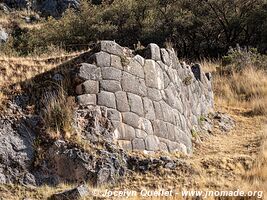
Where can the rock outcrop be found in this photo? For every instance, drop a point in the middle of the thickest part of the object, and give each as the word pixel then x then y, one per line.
pixel 153 101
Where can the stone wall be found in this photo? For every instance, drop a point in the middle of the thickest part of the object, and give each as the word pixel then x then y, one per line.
pixel 153 101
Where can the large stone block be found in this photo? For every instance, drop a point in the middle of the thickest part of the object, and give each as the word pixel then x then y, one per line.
pixel 135 68
pixel 106 99
pixel 110 85
pixel 154 94
pixel 126 132
pixel 133 84
pixel 153 52
pixel 114 115
pixel 89 72
pixel 101 59
pixel 158 110
pixel 131 119
pixel 116 62
pixel 140 59
pixel 175 64
pixel 145 125
pixel 160 128
pixel 122 101
pixel 138 144
pixel 153 75
pixel 110 47
pixel 111 73
pixel 149 109
pixel 165 56
pixel 88 87
pixel 136 104
pixel 126 145
pixel 86 99
pixel 152 143
pixel 140 133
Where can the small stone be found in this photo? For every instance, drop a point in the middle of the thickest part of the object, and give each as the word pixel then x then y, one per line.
pixel 73 194
pixel 106 99
pixel 86 99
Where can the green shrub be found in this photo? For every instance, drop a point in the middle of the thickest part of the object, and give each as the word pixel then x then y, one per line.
pixel 238 59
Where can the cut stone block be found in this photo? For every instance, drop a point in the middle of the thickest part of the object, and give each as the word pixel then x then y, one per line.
pixel 138 144
pixel 101 59
pixel 165 57
pixel 131 119
pixel 140 133
pixel 111 73
pixel 116 62
pixel 126 145
pixel 136 104
pixel 88 87
pixel 89 72
pixel 149 109
pixel 110 47
pixel 152 51
pixel 110 85
pixel 153 75
pixel 152 143
pixel 86 99
pixel 114 115
pixel 146 126
pixel 126 132
pixel 122 101
pixel 154 94
pixel 106 99
pixel 133 84
pixel 140 59
pixel 158 110
pixel 135 68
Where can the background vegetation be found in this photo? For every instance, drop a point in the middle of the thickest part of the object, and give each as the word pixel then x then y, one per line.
pixel 195 28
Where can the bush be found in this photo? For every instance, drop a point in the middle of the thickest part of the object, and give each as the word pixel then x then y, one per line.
pixel 238 59
pixel 58 115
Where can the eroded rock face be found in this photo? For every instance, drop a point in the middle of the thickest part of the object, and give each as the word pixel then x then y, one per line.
pixel 155 95
pixel 16 152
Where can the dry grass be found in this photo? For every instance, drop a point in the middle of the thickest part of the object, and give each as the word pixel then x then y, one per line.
pixel 247 89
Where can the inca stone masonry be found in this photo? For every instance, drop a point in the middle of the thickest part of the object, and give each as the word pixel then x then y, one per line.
pixel 153 101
